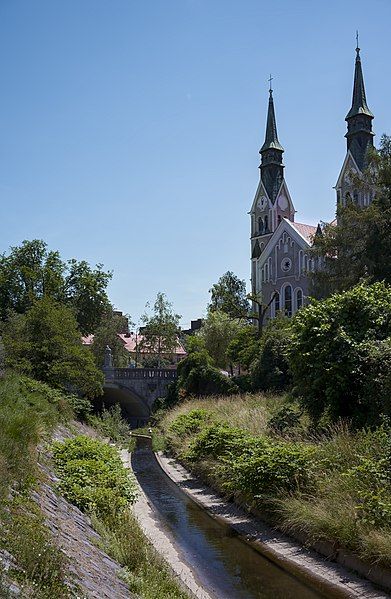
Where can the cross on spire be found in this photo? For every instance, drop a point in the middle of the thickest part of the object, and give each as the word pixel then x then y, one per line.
pixel 357 47
pixel 270 83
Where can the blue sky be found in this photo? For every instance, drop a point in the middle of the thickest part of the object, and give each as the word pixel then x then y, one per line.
pixel 130 130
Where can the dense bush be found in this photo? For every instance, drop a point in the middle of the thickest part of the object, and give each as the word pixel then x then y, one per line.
pixel 196 376
pixel 272 468
pixel 92 476
pixel 270 371
pixel 190 422
pixel 341 354
pixel 285 419
pixel 215 441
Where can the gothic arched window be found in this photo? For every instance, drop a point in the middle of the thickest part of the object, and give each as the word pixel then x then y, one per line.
pixel 355 197
pixel 288 300
pixel 260 225
pixel 276 302
pixel 299 299
pixel 266 224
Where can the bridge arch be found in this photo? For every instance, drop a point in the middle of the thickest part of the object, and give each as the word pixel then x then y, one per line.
pixel 135 390
pixel 134 408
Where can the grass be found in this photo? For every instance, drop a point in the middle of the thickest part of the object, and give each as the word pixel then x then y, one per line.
pixel 250 412
pixel 28 412
pixel 41 566
pixel 93 478
pixel 333 485
pixel 144 570
pixel 109 423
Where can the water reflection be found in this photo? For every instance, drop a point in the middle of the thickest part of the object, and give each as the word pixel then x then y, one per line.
pixel 225 566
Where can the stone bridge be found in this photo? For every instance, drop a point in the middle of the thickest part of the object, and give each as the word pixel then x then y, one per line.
pixel 136 389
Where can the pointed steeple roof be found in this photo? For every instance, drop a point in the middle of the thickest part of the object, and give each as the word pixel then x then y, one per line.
pixel 359 101
pixel 271 139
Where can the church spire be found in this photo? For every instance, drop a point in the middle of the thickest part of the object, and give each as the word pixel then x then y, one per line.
pixel 359 100
pixel 271 167
pixel 271 139
pixel 359 118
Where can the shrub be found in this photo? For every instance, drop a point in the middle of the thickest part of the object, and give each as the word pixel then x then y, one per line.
pixel 188 423
pixel 272 469
pixel 244 382
pixel 341 354
pixel 111 424
pixel 287 418
pixel 215 441
pixel 81 406
pixel 93 477
pixel 270 371
pixel 196 376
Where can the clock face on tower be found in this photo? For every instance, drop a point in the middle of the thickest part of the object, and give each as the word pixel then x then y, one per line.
pixel 283 202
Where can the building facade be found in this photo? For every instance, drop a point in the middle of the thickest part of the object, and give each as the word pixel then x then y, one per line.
pixel 280 257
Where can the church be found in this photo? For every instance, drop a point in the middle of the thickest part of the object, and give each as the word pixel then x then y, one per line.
pixel 280 258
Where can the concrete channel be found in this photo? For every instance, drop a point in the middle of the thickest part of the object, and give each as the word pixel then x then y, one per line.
pixel 218 551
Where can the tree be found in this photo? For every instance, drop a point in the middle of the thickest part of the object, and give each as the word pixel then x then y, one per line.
pixel 340 354
pixel 45 343
pixel 229 295
pixel 358 247
pixel 85 291
pixel 262 307
pixel 107 333
pixel 217 331
pixel 270 370
pixel 244 347
pixel 160 330
pixel 32 272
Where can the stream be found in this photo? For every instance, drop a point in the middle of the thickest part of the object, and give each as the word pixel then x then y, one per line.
pixel 225 566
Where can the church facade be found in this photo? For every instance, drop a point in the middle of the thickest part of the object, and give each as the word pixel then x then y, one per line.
pixel 280 257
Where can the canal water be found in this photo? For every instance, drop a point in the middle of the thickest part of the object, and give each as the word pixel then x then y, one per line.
pixel 225 566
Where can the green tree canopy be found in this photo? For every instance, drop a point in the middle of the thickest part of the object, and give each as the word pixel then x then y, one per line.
pixel 340 354
pixel 45 343
pixel 229 295
pixel 217 331
pixel 31 271
pixel 244 347
pixel 107 333
pixel 160 329
pixel 197 376
pixel 358 247
pixel 270 370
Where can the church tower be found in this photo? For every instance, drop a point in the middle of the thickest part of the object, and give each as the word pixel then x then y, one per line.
pixel 280 257
pixel 272 200
pixel 359 139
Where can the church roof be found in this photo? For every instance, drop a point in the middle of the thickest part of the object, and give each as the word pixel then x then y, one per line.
pixel 306 231
pixel 271 138
pixel 359 100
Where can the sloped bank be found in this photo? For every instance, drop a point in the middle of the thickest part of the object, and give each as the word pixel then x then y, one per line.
pixel 94 478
